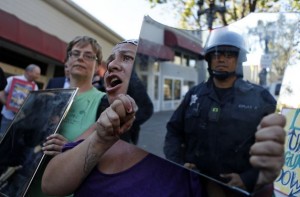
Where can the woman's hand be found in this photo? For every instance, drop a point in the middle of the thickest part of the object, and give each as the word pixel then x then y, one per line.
pixel 54 144
pixel 267 153
pixel 116 119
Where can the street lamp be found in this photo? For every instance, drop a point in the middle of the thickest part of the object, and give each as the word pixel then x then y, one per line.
pixel 266 33
pixel 211 12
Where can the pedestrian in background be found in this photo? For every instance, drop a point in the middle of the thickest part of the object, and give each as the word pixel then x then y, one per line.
pixel 83 56
pixel 27 81
pixel 60 82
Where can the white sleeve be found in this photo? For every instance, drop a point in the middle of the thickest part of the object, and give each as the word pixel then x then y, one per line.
pixel 9 81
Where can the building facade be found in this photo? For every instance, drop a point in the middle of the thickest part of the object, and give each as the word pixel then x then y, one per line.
pixel 169 62
pixel 37 31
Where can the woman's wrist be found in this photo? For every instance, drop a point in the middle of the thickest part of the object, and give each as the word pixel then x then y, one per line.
pixel 102 136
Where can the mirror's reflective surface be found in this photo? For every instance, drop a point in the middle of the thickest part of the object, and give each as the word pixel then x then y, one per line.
pixel 211 14
pixel 289 106
pixel 171 61
pixel 21 147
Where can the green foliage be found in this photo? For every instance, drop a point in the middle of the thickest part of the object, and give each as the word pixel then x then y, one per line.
pixel 277 38
pixel 235 10
pixel 285 44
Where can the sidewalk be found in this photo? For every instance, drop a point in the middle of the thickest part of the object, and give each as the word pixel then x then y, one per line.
pixel 153 133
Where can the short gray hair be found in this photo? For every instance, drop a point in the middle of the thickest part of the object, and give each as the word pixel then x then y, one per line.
pixel 85 40
pixel 31 67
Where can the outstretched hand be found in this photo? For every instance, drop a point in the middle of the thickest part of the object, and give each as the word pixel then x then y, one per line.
pixel 267 153
pixel 117 118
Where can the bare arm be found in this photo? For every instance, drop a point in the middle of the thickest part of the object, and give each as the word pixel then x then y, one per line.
pixel 2 97
pixel 66 171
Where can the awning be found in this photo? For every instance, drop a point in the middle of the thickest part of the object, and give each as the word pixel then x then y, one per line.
pixel 176 40
pixel 28 36
pixel 155 50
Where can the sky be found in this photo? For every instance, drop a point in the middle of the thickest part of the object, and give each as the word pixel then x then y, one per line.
pixel 124 17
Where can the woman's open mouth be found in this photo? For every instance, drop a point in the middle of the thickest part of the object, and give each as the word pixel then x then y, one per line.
pixel 113 83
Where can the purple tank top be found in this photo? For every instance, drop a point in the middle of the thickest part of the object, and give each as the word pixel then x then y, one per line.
pixel 151 177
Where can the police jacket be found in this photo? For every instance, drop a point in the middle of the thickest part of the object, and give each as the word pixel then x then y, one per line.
pixel 215 134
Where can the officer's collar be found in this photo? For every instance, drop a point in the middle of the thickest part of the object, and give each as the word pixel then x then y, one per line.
pixel 239 85
pixel 242 85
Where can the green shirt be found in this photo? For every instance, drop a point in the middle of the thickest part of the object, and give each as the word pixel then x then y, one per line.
pixel 81 115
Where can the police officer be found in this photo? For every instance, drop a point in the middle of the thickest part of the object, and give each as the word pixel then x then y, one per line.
pixel 214 126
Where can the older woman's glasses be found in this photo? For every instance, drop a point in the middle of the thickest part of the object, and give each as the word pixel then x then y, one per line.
pixel 85 56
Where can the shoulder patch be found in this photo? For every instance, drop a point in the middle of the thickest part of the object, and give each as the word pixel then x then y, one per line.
pixel 194 99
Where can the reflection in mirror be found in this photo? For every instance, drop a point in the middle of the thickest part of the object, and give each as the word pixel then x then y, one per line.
pixel 21 147
pixel 171 61
pixel 289 105
pixel 211 14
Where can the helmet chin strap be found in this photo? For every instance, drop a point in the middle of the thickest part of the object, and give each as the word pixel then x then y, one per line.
pixel 221 75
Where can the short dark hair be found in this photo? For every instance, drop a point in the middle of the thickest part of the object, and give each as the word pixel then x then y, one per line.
pixel 85 40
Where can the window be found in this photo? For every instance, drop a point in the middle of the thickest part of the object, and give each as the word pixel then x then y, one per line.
pixel 156 88
pixel 192 62
pixel 177 89
pixel 172 89
pixel 186 86
pixel 185 59
pixel 156 67
pixel 177 59
pixel 142 62
pixel 189 84
pixel 144 80
pixel 168 89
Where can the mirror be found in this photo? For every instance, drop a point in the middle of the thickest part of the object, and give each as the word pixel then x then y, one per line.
pixel 170 61
pixel 289 105
pixel 195 15
pixel 20 148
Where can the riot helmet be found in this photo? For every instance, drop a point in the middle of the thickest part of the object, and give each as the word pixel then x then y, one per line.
pixel 226 41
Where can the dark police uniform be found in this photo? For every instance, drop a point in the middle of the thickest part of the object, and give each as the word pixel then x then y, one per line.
pixel 214 129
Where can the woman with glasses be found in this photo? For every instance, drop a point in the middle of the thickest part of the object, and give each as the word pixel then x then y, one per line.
pixel 84 54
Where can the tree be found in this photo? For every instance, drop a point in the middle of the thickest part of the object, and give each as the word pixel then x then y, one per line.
pixel 222 12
